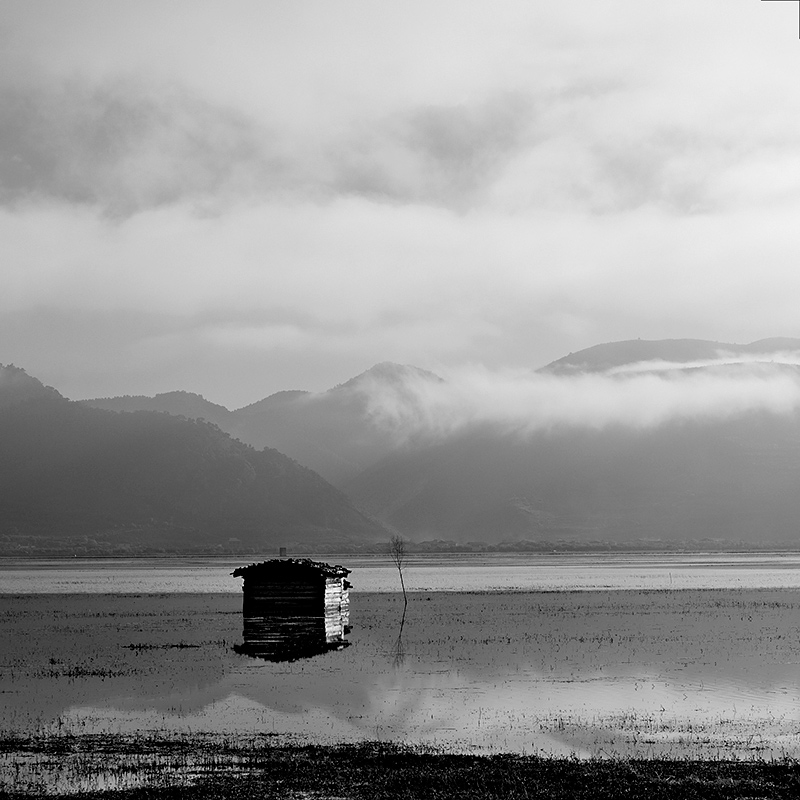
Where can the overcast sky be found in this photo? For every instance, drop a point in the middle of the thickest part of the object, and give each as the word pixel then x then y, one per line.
pixel 235 198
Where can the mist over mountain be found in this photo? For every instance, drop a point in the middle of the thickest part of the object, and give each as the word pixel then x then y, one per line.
pixel 648 355
pixel 674 440
pixel 735 480
pixel 337 433
pixel 696 441
pixel 80 479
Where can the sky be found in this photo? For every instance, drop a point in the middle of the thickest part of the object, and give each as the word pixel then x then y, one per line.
pixel 236 198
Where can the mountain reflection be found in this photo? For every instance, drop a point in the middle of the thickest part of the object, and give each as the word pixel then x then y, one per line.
pixel 565 672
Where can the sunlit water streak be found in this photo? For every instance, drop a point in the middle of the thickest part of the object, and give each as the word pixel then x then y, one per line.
pixel 423 573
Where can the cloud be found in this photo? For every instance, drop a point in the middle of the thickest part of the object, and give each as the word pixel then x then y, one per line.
pixel 536 108
pixel 352 282
pixel 124 146
pixel 791 357
pixel 127 145
pixel 524 402
pixel 446 155
pixel 341 184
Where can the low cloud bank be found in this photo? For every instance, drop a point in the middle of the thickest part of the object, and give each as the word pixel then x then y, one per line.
pixel 525 402
pixel 787 357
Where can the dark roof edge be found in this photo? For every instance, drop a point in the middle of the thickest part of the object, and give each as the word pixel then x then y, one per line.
pixel 292 564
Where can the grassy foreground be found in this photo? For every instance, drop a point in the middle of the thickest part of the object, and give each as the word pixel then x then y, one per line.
pixel 377 770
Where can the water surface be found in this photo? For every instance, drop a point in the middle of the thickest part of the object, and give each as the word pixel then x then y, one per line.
pixel 434 573
pixel 681 672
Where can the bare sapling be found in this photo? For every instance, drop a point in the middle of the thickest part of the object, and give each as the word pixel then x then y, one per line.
pixel 397 550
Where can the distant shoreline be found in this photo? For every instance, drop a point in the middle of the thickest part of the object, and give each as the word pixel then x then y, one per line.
pixel 435 547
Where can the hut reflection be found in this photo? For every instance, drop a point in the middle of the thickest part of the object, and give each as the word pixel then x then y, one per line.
pixel 293 608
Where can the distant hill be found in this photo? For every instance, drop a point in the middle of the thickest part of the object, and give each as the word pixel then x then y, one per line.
pixel 336 433
pixel 602 357
pixel 178 403
pixel 79 479
pixel 17 386
pixel 388 375
pixel 730 476
pixel 734 480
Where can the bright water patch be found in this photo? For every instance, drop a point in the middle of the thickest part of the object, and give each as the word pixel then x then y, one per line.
pixel 480 572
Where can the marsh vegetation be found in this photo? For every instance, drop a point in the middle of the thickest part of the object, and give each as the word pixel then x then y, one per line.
pixel 381 771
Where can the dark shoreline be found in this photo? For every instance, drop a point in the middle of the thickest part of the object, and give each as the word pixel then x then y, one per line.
pixel 379 771
pixel 67 549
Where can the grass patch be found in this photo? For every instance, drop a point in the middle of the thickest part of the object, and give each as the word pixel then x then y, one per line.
pixel 377 770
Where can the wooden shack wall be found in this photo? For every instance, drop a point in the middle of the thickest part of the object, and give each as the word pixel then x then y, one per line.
pixel 284 597
pixel 276 611
pixel 337 607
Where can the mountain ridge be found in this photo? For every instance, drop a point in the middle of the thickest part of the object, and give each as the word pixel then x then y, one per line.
pixel 605 356
pixel 79 479
pixel 16 386
pixel 332 432
pixel 727 475
pixel 176 402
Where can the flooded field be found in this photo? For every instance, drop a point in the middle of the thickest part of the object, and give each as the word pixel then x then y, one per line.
pixel 668 673
pixel 678 673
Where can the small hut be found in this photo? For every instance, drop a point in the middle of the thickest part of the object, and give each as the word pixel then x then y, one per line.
pixel 294 608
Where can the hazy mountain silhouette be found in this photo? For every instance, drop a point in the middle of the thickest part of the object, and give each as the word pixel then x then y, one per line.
pixel 74 475
pixel 607 356
pixel 733 475
pixel 335 433
pixel 178 403
pixel 17 386
pixel 733 480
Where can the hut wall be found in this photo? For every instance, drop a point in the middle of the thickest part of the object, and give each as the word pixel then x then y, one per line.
pixel 337 608
pixel 294 608
pixel 277 612
pixel 284 597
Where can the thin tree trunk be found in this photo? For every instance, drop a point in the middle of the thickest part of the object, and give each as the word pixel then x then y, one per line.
pixel 403 586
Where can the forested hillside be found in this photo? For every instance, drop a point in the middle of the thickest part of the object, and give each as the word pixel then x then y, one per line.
pixel 78 478
pixel 335 432
pixel 736 481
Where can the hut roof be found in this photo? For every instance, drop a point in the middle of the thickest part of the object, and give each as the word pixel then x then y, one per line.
pixel 295 566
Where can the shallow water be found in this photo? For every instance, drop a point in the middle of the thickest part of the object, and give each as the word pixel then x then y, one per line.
pixel 701 673
pixel 434 573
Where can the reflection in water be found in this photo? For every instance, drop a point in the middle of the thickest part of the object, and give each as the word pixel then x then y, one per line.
pixel 292 648
pixel 685 673
pixel 399 651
